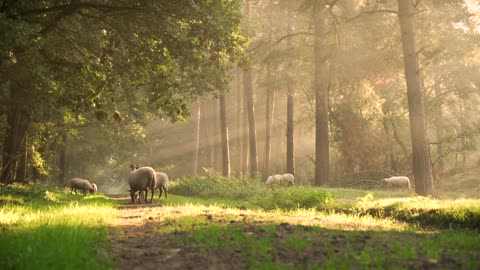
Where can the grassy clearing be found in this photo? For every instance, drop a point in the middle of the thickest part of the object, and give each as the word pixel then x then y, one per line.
pixel 48 228
pixel 346 229
pixel 310 239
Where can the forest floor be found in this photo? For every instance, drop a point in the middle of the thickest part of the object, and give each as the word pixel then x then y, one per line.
pixel 155 236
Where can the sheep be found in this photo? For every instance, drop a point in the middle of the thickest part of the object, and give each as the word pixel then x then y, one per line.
pixel 140 180
pixel 82 184
pixel 161 183
pixel 397 181
pixel 279 179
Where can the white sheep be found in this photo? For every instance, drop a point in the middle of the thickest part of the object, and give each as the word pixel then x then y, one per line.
pixel 279 179
pixel 141 180
pixel 82 184
pixel 397 181
pixel 161 183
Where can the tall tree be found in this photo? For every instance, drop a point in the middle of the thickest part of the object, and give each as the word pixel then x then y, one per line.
pixel 252 132
pixel 197 135
pixel 224 132
pixel 321 85
pixel 270 103
pixel 422 170
pixel 290 105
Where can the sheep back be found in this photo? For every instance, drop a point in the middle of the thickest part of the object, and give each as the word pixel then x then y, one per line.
pixel 82 184
pixel 162 183
pixel 279 179
pixel 398 181
pixel 141 179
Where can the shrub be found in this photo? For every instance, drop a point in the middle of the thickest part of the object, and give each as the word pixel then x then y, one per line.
pixel 251 190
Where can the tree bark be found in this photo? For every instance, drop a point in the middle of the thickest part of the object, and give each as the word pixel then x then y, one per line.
pixel 17 120
pixel 61 160
pixel 252 135
pixel 240 133
pixel 290 107
pixel 224 131
pixel 321 84
pixel 270 108
pixel 197 136
pixel 420 153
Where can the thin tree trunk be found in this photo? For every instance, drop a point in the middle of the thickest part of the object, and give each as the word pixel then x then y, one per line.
pixel 22 168
pixel 420 153
pixel 440 166
pixel 245 132
pixel 321 85
pixel 269 106
pixel 224 131
pixel 61 159
pixel 269 111
pixel 239 122
pixel 197 136
pixel 290 108
pixel 251 122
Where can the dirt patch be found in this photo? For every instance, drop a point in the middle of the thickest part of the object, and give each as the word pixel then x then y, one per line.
pixel 136 245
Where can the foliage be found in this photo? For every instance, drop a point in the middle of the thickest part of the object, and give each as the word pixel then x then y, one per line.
pixel 253 191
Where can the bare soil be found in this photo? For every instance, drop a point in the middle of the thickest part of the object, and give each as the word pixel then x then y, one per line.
pixel 136 245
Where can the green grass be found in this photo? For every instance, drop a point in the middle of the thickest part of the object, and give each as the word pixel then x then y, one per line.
pixel 300 240
pixel 47 228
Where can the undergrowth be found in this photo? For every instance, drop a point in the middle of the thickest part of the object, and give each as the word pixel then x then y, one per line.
pixel 252 191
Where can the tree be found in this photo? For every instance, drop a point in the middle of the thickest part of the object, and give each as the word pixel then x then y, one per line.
pixel 290 107
pixel 64 60
pixel 321 85
pixel 197 135
pixel 420 152
pixel 250 107
pixel 224 132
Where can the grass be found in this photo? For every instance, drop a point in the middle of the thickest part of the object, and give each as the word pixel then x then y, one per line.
pixel 242 222
pixel 48 228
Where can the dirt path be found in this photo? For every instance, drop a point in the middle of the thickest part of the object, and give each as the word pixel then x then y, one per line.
pixel 137 245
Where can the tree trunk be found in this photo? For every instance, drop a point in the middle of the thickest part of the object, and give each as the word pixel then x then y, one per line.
pixel 438 120
pixel 240 133
pixel 321 85
pixel 269 111
pixel 224 131
pixel 61 160
pixel 246 132
pixel 22 167
pixel 420 153
pixel 197 136
pixel 290 108
pixel 17 120
pixel 252 135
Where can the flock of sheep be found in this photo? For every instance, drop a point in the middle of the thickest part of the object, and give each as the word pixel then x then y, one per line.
pixel 142 179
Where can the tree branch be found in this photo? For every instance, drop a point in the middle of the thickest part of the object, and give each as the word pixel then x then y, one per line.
pixel 73 7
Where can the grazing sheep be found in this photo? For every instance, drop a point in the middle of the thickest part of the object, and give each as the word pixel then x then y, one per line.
pixel 278 179
pixel 141 180
pixel 83 185
pixel 397 181
pixel 161 183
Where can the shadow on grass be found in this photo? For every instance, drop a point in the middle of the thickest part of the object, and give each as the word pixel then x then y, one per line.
pixel 211 242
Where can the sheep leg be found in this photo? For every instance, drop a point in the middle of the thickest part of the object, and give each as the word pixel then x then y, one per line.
pixel 132 196
pixel 165 190
pixel 159 191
